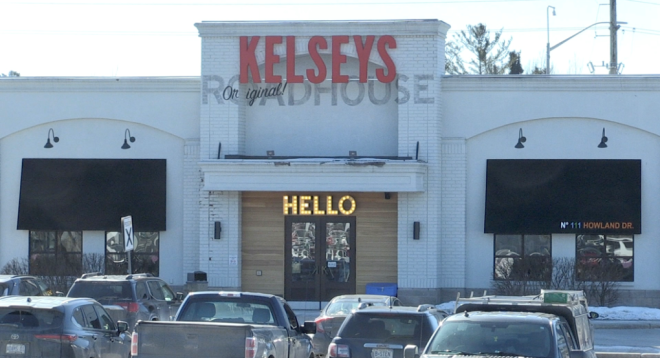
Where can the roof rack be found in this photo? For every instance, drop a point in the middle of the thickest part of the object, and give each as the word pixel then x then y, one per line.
pixel 131 276
pixel 91 274
pixel 546 297
pixel 425 307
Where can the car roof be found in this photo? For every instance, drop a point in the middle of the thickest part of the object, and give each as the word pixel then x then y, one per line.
pixel 95 276
pixel 393 309
pixel 504 316
pixel 40 301
pixel 9 277
pixel 230 294
pixel 362 297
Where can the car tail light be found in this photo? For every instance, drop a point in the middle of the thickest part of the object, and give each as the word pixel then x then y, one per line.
pixel 129 306
pixel 64 338
pixel 319 324
pixel 250 347
pixel 338 351
pixel 134 344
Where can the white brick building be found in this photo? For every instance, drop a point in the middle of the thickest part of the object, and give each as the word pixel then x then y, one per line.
pixel 245 180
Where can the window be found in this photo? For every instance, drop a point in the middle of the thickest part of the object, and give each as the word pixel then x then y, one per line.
pixel 523 257
pixel 56 253
pixel 160 291
pixel 605 257
pixel 144 257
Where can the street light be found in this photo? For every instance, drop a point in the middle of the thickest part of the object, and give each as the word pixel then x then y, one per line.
pixel 577 33
pixel 547 59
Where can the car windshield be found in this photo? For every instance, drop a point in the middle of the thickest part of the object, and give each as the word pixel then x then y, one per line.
pixel 383 326
pixel 494 338
pixel 12 318
pixel 104 292
pixel 217 309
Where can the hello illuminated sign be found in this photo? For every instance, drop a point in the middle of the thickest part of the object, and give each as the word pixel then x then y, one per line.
pixel 311 205
pixel 363 48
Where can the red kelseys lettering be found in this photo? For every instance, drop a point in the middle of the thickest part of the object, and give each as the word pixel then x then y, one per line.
pixel 363 47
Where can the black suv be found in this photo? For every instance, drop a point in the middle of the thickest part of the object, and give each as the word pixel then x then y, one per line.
pixel 38 326
pixel 143 296
pixel 383 332
pixel 23 285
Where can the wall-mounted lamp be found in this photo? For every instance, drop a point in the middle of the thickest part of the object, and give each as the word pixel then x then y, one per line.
pixel 388 195
pixel 416 228
pixel 127 136
pixel 55 139
pixel 521 139
pixel 270 153
pixel 603 140
pixel 217 230
pixel 352 153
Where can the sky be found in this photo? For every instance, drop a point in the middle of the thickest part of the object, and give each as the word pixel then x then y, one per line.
pixel 120 38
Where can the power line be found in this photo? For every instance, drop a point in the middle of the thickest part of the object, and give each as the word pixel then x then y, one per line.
pixel 437 2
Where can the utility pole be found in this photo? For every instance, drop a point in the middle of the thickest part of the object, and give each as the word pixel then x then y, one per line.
pixel 614 63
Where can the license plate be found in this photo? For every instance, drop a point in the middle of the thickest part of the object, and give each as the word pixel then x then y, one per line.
pixel 15 349
pixel 381 353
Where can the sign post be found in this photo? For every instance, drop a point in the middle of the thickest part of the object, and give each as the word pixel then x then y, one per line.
pixel 129 238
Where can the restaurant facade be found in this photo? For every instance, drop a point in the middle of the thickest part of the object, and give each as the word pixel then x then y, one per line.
pixel 311 159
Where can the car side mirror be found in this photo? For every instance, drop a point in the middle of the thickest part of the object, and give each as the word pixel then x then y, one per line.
pixel 180 296
pixel 309 327
pixel 122 326
pixel 410 351
pixel 593 315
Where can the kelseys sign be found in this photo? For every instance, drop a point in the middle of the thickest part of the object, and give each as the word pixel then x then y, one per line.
pixel 249 67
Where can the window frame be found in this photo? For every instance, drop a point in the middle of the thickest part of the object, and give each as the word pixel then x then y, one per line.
pixel 600 244
pixel 56 250
pixel 145 258
pixel 522 257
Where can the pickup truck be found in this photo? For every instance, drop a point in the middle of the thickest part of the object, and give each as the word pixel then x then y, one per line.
pixel 554 324
pixel 227 325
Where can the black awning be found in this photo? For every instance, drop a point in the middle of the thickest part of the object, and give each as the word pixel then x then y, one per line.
pixel 92 194
pixel 546 196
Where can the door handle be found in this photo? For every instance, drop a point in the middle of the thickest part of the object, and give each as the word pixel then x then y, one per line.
pixel 95 336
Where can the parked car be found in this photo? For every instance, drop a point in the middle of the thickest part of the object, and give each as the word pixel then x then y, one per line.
pixel 551 325
pixel 383 332
pixel 214 324
pixel 334 313
pixel 143 296
pixel 24 285
pixel 58 327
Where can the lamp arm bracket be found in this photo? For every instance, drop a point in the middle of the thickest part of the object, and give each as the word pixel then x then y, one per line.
pixel 581 31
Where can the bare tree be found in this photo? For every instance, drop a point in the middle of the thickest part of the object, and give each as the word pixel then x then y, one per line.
pixel 488 53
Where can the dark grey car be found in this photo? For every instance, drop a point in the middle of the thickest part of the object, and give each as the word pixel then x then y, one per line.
pixel 384 332
pixel 143 296
pixel 58 327
pixel 335 312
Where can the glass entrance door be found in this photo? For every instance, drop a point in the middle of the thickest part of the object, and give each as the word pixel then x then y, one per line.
pixel 320 257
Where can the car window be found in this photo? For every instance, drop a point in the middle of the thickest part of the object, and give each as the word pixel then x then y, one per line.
pixel 91 317
pixel 104 292
pixel 30 318
pixel 28 287
pixel 525 339
pixel 383 326
pixel 291 316
pixel 78 318
pixel 4 289
pixel 160 290
pixel 104 318
pixel 141 291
